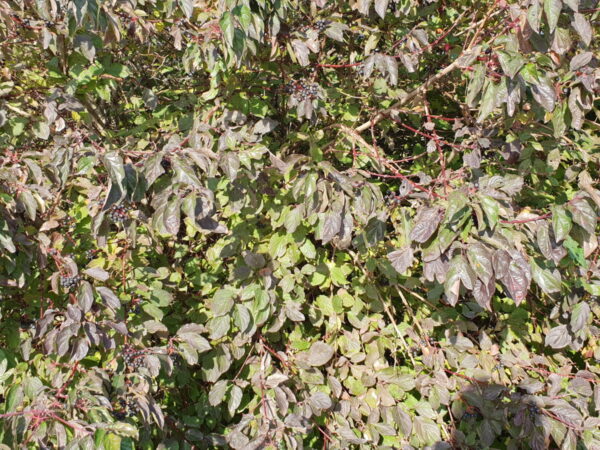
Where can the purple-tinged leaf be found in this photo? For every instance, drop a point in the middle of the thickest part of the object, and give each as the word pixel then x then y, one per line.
pixel 480 259
pixel 264 126
pixel 368 66
pixel 320 400
pixel 97 273
pixel 111 300
pixel 483 293
pixel 172 216
pixel 579 316
pixel 153 168
pixel 580 60
pixel 517 278
pixel 583 28
pixel 426 224
pixel 459 272
pixel 568 414
pixel 335 31
pixel 119 327
pixel 229 162
pixel 301 51
pixel 401 259
pixel 584 214
pixel 319 354
pixel 80 349
pixel 558 337
pixel 381 7
pixel 426 431
pixel 85 296
pixel 331 224
pixel 391 69
pixel 544 93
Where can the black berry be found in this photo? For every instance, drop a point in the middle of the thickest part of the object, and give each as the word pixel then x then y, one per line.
pixel 321 25
pixel 69 283
pixel 119 213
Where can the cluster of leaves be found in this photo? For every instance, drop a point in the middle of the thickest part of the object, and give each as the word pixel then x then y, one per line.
pixel 244 224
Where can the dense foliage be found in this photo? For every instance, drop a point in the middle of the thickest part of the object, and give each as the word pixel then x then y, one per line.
pixel 299 224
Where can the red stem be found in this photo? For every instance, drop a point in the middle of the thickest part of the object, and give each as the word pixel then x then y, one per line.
pixel 59 393
pixel 428 136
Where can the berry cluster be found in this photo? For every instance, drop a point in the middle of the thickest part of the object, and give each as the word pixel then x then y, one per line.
pixel 392 199
pixel 70 282
pixel 174 354
pixel 125 408
pixel 533 409
pixel 176 359
pixel 89 254
pixel 24 22
pixel 119 213
pixel 67 222
pixel 132 358
pixel 302 89
pixel 321 25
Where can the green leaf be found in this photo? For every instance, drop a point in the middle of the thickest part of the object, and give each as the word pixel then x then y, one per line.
pixel 198 342
pixel 488 102
pixel 480 260
pixel 219 326
pixel 226 24
pixel 552 10
pixel 41 130
pixel 548 281
pixel 426 431
pixel 217 392
pixel 29 203
pixel 475 84
pixel 114 166
pixel 511 62
pixel 117 70
pixel 561 223
pixel 187 6
pixel 491 208
pixel 222 302
pixel 244 15
pixel 575 252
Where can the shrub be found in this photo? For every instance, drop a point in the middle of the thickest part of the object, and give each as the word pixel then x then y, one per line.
pixel 289 224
